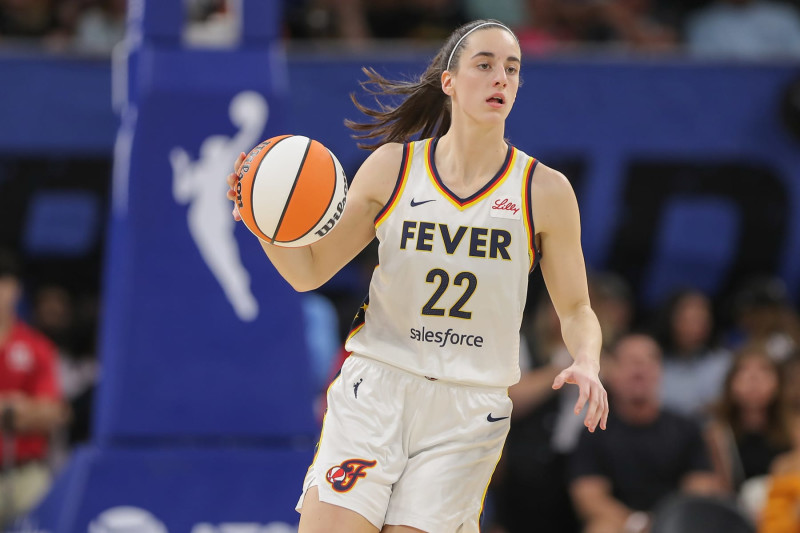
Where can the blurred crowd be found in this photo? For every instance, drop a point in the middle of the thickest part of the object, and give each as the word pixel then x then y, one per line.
pixel 704 395
pixel 91 26
pixel 705 404
pixel 744 28
pixel 707 28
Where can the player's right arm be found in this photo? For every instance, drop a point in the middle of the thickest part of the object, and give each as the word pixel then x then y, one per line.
pixel 308 267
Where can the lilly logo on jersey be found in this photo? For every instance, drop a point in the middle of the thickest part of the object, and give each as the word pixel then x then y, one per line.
pixel 343 477
pixel 505 207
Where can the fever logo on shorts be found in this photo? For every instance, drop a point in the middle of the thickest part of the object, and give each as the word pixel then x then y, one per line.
pixel 344 476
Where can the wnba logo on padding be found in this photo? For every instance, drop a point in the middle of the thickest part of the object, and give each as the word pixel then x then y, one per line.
pixel 344 476
pixel 125 519
pixel 198 184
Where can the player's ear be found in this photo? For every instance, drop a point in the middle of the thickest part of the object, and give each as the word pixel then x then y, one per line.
pixel 447 83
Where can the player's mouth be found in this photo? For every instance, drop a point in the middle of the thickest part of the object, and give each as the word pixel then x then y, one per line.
pixel 496 100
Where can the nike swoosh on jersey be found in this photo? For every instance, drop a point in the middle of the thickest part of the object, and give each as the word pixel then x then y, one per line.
pixel 490 418
pixel 415 204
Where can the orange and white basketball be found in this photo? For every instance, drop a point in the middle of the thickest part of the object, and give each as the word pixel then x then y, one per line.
pixel 291 191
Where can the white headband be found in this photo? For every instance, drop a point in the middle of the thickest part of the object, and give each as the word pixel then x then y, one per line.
pixel 479 26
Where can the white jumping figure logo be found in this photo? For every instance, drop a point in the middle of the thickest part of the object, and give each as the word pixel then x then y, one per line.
pixel 200 184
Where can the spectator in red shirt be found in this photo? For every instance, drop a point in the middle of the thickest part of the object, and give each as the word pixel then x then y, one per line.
pixel 30 401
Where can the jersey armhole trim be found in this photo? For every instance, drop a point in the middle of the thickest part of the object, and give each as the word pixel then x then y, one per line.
pixel 402 176
pixel 534 254
pixel 359 320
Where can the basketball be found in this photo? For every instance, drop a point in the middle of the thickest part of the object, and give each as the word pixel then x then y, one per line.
pixel 291 191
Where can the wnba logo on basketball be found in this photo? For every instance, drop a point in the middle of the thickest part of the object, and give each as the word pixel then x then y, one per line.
pixel 344 476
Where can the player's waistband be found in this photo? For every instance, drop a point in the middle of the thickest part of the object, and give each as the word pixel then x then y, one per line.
pixel 430 379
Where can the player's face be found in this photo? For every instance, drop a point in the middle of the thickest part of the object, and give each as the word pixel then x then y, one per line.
pixel 485 82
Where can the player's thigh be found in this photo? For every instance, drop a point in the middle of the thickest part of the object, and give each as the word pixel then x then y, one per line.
pixel 459 440
pixel 321 517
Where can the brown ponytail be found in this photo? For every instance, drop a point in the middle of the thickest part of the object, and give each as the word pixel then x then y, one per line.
pixel 425 109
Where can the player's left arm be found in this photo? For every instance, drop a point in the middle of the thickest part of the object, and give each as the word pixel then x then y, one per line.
pixel 557 223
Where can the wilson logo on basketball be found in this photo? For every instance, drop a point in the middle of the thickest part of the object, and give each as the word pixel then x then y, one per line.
pixel 343 477
pixel 335 218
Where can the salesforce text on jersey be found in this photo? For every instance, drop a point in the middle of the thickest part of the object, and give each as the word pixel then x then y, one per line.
pixel 443 337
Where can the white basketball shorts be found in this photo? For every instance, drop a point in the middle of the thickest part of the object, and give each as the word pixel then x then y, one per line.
pixel 401 449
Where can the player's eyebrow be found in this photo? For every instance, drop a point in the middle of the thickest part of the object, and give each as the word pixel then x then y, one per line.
pixel 491 55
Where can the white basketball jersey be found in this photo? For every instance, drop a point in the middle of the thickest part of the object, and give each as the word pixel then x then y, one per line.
pixel 447 296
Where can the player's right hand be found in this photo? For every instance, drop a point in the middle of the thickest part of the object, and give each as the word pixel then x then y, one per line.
pixel 231 180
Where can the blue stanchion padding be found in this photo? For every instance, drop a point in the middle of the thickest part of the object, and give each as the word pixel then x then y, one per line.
pixel 174 491
pixel 201 338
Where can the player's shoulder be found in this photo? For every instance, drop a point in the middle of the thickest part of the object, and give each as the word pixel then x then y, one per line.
pixel 383 163
pixel 377 176
pixel 387 154
pixel 549 179
pixel 550 187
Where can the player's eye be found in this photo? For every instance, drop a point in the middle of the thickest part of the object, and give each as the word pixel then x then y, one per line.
pixel 483 66
pixel 512 70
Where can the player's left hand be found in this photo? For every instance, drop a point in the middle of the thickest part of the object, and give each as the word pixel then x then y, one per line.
pixel 584 374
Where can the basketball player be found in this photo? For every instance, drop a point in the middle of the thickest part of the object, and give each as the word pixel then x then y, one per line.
pixel 417 418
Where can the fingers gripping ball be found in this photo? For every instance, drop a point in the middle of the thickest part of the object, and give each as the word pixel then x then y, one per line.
pixel 291 191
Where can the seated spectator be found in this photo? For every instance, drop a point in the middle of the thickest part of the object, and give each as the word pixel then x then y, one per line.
pixel 101 26
pixel 781 512
pixel 513 13
pixel 547 31
pixel 25 19
pixel 746 29
pixel 618 476
pixel 790 387
pixel 747 431
pixel 631 23
pixel 356 21
pixel 30 405
pixel 777 504
pixel 54 316
pixel 764 315
pixel 533 466
pixel 694 366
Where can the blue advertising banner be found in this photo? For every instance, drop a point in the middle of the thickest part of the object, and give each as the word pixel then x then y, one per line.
pixel 198 327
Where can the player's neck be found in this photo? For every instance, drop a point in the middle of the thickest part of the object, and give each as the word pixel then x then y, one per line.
pixel 469 157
